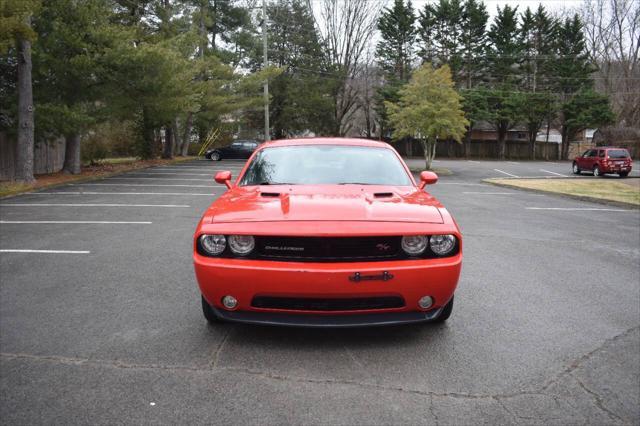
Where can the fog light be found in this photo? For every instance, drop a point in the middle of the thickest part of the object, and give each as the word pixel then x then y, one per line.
pixel 424 302
pixel 229 302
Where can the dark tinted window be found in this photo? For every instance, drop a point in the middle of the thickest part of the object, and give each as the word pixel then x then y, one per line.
pixel 326 164
pixel 618 153
pixel 592 153
pixel 250 145
pixel 236 145
pixel 601 153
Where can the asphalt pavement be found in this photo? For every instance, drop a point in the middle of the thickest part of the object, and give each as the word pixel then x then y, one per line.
pixel 100 318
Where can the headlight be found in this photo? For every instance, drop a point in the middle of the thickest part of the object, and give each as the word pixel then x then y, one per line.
pixel 442 244
pixel 414 245
pixel 241 245
pixel 213 245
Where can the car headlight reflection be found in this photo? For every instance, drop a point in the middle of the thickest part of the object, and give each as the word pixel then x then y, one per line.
pixel 241 245
pixel 213 245
pixel 442 245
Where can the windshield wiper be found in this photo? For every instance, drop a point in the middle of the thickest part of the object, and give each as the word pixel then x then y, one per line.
pixel 276 183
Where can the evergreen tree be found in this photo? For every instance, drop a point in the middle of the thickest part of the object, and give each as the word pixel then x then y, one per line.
pixel 505 49
pixel 473 40
pixel 441 31
pixel 397 32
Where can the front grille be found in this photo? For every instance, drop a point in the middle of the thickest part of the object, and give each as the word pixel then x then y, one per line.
pixel 324 304
pixel 329 249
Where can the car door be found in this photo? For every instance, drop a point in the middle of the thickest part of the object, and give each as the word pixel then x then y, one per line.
pixel 588 159
pixel 234 150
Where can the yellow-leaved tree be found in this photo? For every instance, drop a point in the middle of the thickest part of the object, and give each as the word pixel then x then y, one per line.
pixel 429 110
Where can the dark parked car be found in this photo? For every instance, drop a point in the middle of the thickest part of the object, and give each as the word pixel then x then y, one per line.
pixel 238 149
pixel 603 160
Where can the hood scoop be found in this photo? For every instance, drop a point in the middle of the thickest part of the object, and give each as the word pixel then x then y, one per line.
pixel 383 194
pixel 270 194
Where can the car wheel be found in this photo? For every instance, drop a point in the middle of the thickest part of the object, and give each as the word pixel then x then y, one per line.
pixel 623 174
pixel 596 171
pixel 215 156
pixel 576 169
pixel 446 312
pixel 211 317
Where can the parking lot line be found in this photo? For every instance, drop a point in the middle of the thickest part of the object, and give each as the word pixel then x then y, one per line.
pixel 91 205
pixel 553 173
pixel 118 193
pixel 169 173
pixel 45 251
pixel 508 174
pixel 71 222
pixel 586 209
pixel 141 184
pixel 490 193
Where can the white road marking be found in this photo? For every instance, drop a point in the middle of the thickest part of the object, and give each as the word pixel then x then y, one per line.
pixel 159 178
pixel 513 162
pixel 586 209
pixel 45 251
pixel 508 174
pixel 116 193
pixel 92 205
pixel 472 161
pixel 463 183
pixel 140 184
pixel 170 173
pixel 69 222
pixel 553 173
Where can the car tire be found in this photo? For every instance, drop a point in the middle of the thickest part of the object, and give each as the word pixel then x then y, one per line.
pixel 446 312
pixel 215 156
pixel 596 171
pixel 576 169
pixel 211 317
pixel 623 174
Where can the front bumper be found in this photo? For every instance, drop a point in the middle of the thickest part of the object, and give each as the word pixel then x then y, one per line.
pixel 245 279
pixel 326 321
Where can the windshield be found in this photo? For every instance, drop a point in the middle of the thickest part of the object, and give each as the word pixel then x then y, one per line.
pixel 618 153
pixel 326 164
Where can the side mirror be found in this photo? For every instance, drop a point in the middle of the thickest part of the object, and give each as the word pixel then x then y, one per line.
pixel 224 178
pixel 427 178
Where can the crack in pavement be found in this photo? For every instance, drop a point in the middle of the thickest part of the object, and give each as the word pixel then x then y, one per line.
pixel 213 367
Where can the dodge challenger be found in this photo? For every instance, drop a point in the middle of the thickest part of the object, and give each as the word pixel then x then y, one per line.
pixel 327 233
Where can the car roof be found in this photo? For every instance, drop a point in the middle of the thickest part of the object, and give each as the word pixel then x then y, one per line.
pixel 326 141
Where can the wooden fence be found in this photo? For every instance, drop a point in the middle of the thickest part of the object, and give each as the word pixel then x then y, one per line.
pixel 48 157
pixel 514 150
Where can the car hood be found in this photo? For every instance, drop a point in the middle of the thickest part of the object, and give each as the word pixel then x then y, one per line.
pixel 325 203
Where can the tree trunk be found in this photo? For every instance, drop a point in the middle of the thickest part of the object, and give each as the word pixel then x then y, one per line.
pixel 24 150
pixel 147 148
pixel 532 145
pixel 467 142
pixel 167 152
pixel 429 147
pixel 502 135
pixel 72 154
pixel 564 146
pixel 186 138
pixel 177 148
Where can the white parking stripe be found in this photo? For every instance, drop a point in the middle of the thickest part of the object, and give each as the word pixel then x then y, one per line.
pixel 553 173
pixel 92 205
pixel 508 174
pixel 571 209
pixel 45 251
pixel 169 173
pixel 513 162
pixel 116 193
pixel 471 161
pixel 69 222
pixel 491 193
pixel 140 184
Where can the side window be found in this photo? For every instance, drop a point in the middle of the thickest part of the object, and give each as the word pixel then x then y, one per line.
pixel 236 145
pixel 592 153
pixel 601 153
pixel 586 153
pixel 249 145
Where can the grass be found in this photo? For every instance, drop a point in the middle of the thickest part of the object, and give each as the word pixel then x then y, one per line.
pixel 597 190
pixel 104 168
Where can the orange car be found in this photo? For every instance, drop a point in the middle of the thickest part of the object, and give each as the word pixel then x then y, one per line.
pixel 327 233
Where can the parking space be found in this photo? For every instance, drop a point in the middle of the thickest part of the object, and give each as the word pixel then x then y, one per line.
pixel 100 317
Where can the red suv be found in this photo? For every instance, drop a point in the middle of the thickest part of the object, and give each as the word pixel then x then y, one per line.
pixel 604 160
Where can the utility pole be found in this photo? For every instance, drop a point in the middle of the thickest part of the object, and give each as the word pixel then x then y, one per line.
pixel 267 135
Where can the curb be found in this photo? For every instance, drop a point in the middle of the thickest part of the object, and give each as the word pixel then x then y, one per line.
pixel 562 195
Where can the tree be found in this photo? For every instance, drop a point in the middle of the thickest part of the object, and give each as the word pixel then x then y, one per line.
pixel 429 110
pixel 397 33
pixel 440 30
pixel 504 49
pixel 572 71
pixel 346 28
pixel 395 55
pixel 473 38
pixel 586 109
pixel 16 28
pixel 505 110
